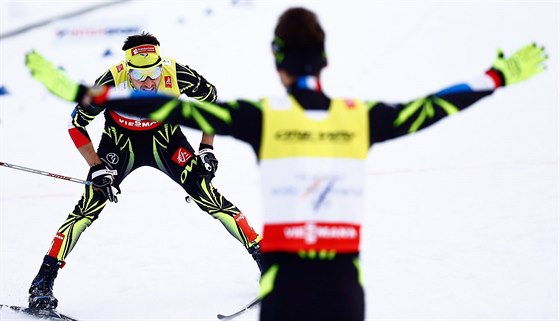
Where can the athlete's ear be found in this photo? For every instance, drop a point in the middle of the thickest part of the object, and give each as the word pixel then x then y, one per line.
pixel 286 78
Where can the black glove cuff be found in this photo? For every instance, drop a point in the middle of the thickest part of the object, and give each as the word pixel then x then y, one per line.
pixel 97 167
pixel 205 146
pixel 82 91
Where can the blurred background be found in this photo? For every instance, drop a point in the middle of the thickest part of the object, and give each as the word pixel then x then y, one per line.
pixel 462 220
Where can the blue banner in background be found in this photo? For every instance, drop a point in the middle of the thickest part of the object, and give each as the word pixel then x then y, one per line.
pixel 94 32
pixel 50 19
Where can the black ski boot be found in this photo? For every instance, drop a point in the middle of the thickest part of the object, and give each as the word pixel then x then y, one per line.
pixel 255 251
pixel 41 290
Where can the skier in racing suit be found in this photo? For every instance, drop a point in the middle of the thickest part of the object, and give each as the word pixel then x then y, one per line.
pixel 129 142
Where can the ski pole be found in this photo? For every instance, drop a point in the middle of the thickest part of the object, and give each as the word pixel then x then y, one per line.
pixel 36 171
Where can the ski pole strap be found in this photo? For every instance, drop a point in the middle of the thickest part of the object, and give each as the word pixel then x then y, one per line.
pixel 40 172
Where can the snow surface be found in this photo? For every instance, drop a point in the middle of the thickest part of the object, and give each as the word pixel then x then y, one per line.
pixel 463 218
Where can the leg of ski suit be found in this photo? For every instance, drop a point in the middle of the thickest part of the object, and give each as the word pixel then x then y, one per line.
pixel 311 287
pixel 166 149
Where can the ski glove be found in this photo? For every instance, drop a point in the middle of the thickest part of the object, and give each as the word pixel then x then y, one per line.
pixel 103 178
pixel 206 155
pixel 522 65
pixel 55 79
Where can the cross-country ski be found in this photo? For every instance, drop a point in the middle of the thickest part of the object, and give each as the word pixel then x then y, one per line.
pixel 51 315
pixel 254 303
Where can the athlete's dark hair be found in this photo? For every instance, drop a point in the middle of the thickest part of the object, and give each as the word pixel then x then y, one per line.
pixel 299 43
pixel 145 38
pixel 299 27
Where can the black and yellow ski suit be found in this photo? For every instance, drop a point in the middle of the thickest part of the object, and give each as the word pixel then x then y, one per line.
pixel 129 142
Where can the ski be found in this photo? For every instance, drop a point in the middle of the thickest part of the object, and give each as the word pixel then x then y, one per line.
pixel 255 302
pixel 52 315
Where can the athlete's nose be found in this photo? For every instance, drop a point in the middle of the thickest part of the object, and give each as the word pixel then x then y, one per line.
pixel 149 83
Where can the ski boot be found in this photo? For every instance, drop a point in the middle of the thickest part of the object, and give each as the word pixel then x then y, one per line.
pixel 255 251
pixel 41 290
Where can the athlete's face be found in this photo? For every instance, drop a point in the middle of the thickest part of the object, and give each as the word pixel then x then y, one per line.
pixel 145 79
pixel 148 84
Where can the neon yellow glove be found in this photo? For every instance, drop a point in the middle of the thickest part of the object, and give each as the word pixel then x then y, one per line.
pixel 56 80
pixel 522 65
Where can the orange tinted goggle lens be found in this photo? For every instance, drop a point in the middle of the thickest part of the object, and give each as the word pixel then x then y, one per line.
pixel 142 74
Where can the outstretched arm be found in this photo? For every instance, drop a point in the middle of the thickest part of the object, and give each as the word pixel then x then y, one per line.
pixel 389 121
pixel 56 81
pixel 211 118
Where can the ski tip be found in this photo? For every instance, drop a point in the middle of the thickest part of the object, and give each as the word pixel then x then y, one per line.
pixel 246 308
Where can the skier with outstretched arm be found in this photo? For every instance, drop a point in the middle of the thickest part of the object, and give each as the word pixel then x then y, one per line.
pixel 312 151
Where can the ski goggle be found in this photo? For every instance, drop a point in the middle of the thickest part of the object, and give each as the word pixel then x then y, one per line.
pixel 143 74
